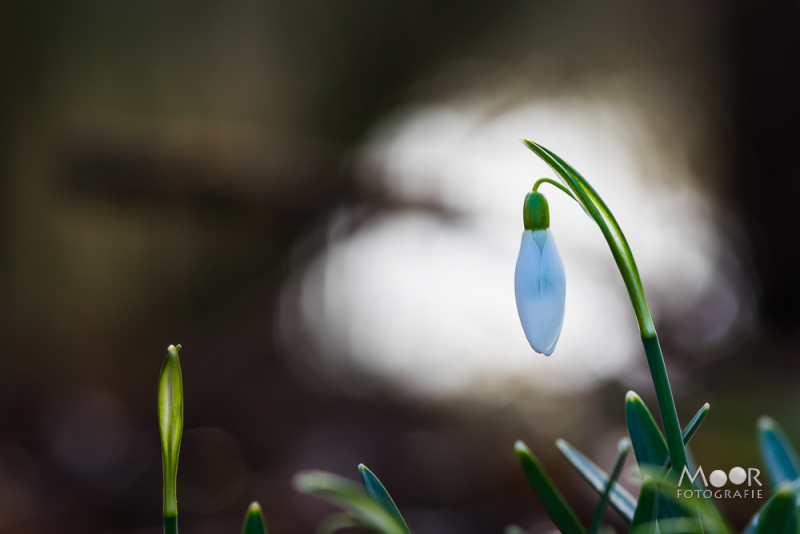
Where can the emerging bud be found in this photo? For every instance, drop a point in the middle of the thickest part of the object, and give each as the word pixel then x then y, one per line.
pixel 539 282
pixel 254 520
pixel 170 421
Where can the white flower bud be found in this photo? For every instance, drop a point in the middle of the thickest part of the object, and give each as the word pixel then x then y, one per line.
pixel 540 287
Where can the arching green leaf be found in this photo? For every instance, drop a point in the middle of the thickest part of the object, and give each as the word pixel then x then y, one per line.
pixel 592 204
pixel 621 500
pixel 600 511
pixel 350 496
pixel 378 493
pixel 780 457
pixel 557 508
pixel 335 522
pixel 779 515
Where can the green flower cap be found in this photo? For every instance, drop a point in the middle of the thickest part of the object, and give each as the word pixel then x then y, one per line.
pixel 536 212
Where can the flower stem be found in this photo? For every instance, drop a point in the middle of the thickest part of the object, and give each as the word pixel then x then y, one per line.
pixel 666 402
pixel 171 524
pixel 541 181
pixel 593 205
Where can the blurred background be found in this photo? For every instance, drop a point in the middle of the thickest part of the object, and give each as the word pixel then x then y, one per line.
pixel 321 201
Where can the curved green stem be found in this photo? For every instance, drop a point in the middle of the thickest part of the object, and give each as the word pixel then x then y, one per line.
pixel 592 204
pixel 550 181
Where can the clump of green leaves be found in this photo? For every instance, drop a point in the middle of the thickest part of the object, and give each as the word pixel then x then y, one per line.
pixel 661 458
pixel 655 510
pixel 368 507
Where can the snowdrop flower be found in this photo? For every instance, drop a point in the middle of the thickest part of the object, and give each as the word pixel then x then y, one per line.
pixel 539 282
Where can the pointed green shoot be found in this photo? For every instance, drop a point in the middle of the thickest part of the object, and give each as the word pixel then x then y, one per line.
pixel 514 529
pixel 780 457
pixel 621 500
pixel 557 508
pixel 690 430
pixel 649 447
pixel 350 496
pixel 623 448
pixel 646 508
pixel 254 520
pixel 779 515
pixel 170 421
pixel 335 522
pixel 378 493
pixel 794 487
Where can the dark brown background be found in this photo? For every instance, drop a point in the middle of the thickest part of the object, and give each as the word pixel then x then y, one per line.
pixel 160 162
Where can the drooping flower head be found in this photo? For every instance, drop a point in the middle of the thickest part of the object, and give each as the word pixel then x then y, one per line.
pixel 539 282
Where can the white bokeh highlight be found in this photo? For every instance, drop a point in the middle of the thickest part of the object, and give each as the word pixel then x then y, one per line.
pixel 428 302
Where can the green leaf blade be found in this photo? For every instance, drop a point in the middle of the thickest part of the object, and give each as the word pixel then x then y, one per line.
pixel 600 511
pixel 621 500
pixel 676 525
pixel 692 508
pixel 689 432
pixel 378 493
pixel 646 507
pixel 350 496
pixel 335 522
pixel 557 508
pixel 649 446
pixel 780 457
pixel 779 515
